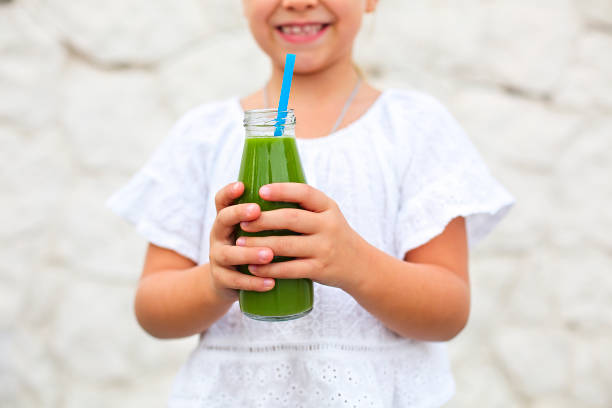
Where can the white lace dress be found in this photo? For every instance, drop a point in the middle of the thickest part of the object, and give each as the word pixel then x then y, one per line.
pixel 399 173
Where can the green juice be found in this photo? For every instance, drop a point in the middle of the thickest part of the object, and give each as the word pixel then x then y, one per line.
pixel 266 160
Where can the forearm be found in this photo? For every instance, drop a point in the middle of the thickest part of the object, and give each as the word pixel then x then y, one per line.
pixel 420 301
pixel 178 303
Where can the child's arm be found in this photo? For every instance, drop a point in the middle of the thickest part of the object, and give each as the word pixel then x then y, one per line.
pixel 176 298
pixel 426 296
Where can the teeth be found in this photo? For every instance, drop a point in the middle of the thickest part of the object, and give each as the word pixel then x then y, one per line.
pixel 302 29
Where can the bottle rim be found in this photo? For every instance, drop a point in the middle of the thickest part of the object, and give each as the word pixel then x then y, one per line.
pixel 267 117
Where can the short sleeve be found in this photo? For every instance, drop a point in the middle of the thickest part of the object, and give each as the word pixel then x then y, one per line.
pixel 166 198
pixel 445 178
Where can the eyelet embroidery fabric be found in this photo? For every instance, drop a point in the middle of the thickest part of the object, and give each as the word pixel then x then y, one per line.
pixel 321 375
pixel 399 174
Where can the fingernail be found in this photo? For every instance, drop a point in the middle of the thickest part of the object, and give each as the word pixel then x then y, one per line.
pixel 251 209
pixel 263 255
pixel 235 187
pixel 268 283
pixel 244 224
pixel 264 191
pixel 241 241
pixel 253 268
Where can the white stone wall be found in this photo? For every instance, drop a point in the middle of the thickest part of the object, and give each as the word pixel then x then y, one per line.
pixel 88 89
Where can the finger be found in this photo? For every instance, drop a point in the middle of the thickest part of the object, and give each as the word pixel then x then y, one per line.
pixel 229 255
pixel 309 198
pixel 295 269
pixel 228 217
pixel 237 280
pixel 300 221
pixel 297 246
pixel 228 194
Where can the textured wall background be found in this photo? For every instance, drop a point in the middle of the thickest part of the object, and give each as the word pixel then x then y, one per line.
pixel 89 88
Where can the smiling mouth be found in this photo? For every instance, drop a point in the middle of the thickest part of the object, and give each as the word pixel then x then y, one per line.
pixel 304 30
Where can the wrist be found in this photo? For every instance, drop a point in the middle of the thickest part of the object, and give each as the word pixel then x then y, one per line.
pixel 222 297
pixel 359 266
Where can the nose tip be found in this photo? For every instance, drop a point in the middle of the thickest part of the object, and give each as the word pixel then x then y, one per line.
pixel 299 5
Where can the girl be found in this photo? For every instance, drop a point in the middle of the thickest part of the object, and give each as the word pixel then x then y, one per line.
pixel 396 191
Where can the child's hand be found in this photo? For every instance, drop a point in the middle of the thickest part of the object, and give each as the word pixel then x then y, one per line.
pixel 223 253
pixel 327 248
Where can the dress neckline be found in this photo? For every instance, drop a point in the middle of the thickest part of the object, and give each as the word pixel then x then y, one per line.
pixel 340 132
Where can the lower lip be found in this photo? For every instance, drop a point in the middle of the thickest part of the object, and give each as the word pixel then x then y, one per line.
pixel 301 39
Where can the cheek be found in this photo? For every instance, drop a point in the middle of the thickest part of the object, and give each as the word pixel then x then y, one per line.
pixel 257 12
pixel 349 15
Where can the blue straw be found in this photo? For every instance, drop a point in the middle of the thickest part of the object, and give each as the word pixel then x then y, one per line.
pixel 284 96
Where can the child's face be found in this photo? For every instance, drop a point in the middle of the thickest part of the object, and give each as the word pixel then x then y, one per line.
pixel 319 32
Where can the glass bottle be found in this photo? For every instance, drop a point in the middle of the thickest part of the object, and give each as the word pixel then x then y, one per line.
pixel 270 159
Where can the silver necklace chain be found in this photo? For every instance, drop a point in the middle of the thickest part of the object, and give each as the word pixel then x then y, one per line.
pixel 344 108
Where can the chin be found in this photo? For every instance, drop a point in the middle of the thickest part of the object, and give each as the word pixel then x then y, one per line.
pixel 306 64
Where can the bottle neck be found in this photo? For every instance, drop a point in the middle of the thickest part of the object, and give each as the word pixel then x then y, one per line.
pixel 264 123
